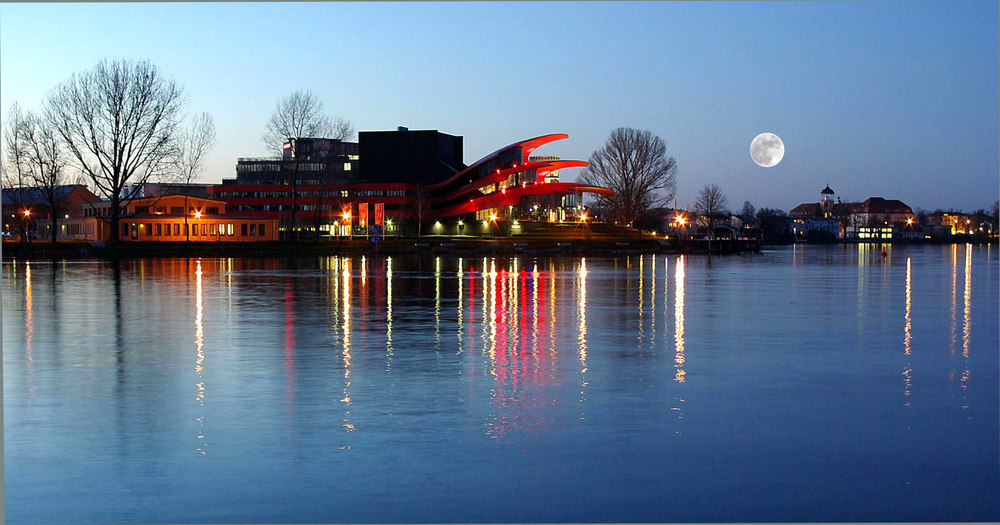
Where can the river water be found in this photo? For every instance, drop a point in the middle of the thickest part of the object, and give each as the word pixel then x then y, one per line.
pixel 807 383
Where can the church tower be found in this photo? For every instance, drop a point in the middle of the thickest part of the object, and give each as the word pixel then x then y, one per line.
pixel 827 203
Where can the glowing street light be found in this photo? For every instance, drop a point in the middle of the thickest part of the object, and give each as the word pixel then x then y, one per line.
pixel 197 214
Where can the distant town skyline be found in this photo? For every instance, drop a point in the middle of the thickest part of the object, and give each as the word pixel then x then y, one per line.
pixel 887 99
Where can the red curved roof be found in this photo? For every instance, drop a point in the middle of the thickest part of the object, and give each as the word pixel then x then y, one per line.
pixel 502 175
pixel 527 146
pixel 512 196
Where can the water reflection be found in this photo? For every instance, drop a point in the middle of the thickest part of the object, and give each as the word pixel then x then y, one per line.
pixel 345 334
pixel 967 324
pixel 679 319
pixel 907 337
pixel 581 309
pixel 954 294
pixel 199 345
pixel 907 326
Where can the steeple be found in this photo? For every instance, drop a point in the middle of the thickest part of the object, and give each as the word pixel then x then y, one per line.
pixel 826 204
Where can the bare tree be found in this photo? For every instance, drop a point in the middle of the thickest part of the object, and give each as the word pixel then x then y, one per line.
pixel 301 115
pixel 636 166
pixel 46 161
pixel 16 173
pixel 710 204
pixel 195 141
pixel 120 122
pixel 421 206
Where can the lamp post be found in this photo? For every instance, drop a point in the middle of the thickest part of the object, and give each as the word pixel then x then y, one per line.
pixel 24 225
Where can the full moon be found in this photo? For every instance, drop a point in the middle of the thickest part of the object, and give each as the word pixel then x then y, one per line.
pixel 767 150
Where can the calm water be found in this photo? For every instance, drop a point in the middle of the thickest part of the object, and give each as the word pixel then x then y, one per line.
pixel 802 384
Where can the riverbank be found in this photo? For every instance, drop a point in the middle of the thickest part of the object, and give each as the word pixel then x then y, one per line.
pixel 41 250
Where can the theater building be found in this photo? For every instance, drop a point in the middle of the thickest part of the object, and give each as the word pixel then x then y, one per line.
pixel 395 182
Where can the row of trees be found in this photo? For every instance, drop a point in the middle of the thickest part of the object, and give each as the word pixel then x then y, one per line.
pixel 122 124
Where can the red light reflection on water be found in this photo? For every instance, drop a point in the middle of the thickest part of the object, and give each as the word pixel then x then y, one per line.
pixel 289 343
pixel 518 363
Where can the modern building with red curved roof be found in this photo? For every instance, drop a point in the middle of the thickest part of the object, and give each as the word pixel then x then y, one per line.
pixel 391 178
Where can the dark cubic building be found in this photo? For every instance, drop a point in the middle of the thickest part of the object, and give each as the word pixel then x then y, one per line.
pixel 392 182
pixel 417 157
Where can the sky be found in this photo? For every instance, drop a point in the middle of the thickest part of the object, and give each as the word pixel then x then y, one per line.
pixel 889 99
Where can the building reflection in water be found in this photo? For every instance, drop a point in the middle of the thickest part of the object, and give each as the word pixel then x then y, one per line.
pixel 289 343
pixel 199 362
pixel 518 365
pixel 679 319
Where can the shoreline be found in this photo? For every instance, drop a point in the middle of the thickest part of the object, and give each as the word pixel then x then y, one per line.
pixel 47 251
pixel 41 250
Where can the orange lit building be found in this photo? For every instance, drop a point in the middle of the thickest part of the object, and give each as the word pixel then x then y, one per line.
pixel 169 218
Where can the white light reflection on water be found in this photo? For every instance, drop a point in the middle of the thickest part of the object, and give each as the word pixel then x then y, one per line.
pixel 967 324
pixel 388 313
pixel 907 337
pixel 581 309
pixel 954 295
pixel 345 334
pixel 679 320
pixel 199 362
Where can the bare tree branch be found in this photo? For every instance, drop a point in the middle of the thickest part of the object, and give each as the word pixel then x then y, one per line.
pixel 300 115
pixel 119 122
pixel 710 204
pixel 635 165
pixel 193 144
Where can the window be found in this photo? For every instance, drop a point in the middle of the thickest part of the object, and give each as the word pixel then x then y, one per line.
pixel 214 229
pixel 177 229
pixel 260 230
pixel 253 229
pixel 124 229
pixel 149 230
pixel 177 210
pixel 159 230
pixel 229 229
pixel 243 229
pixel 213 210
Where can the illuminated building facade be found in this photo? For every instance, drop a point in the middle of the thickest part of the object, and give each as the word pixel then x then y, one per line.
pixel 170 218
pixel 875 218
pixel 27 210
pixel 392 180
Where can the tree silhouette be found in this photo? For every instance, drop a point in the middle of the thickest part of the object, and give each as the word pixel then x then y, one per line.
pixel 636 166
pixel 119 122
pixel 301 115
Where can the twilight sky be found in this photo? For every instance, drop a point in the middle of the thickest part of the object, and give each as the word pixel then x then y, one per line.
pixel 891 99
